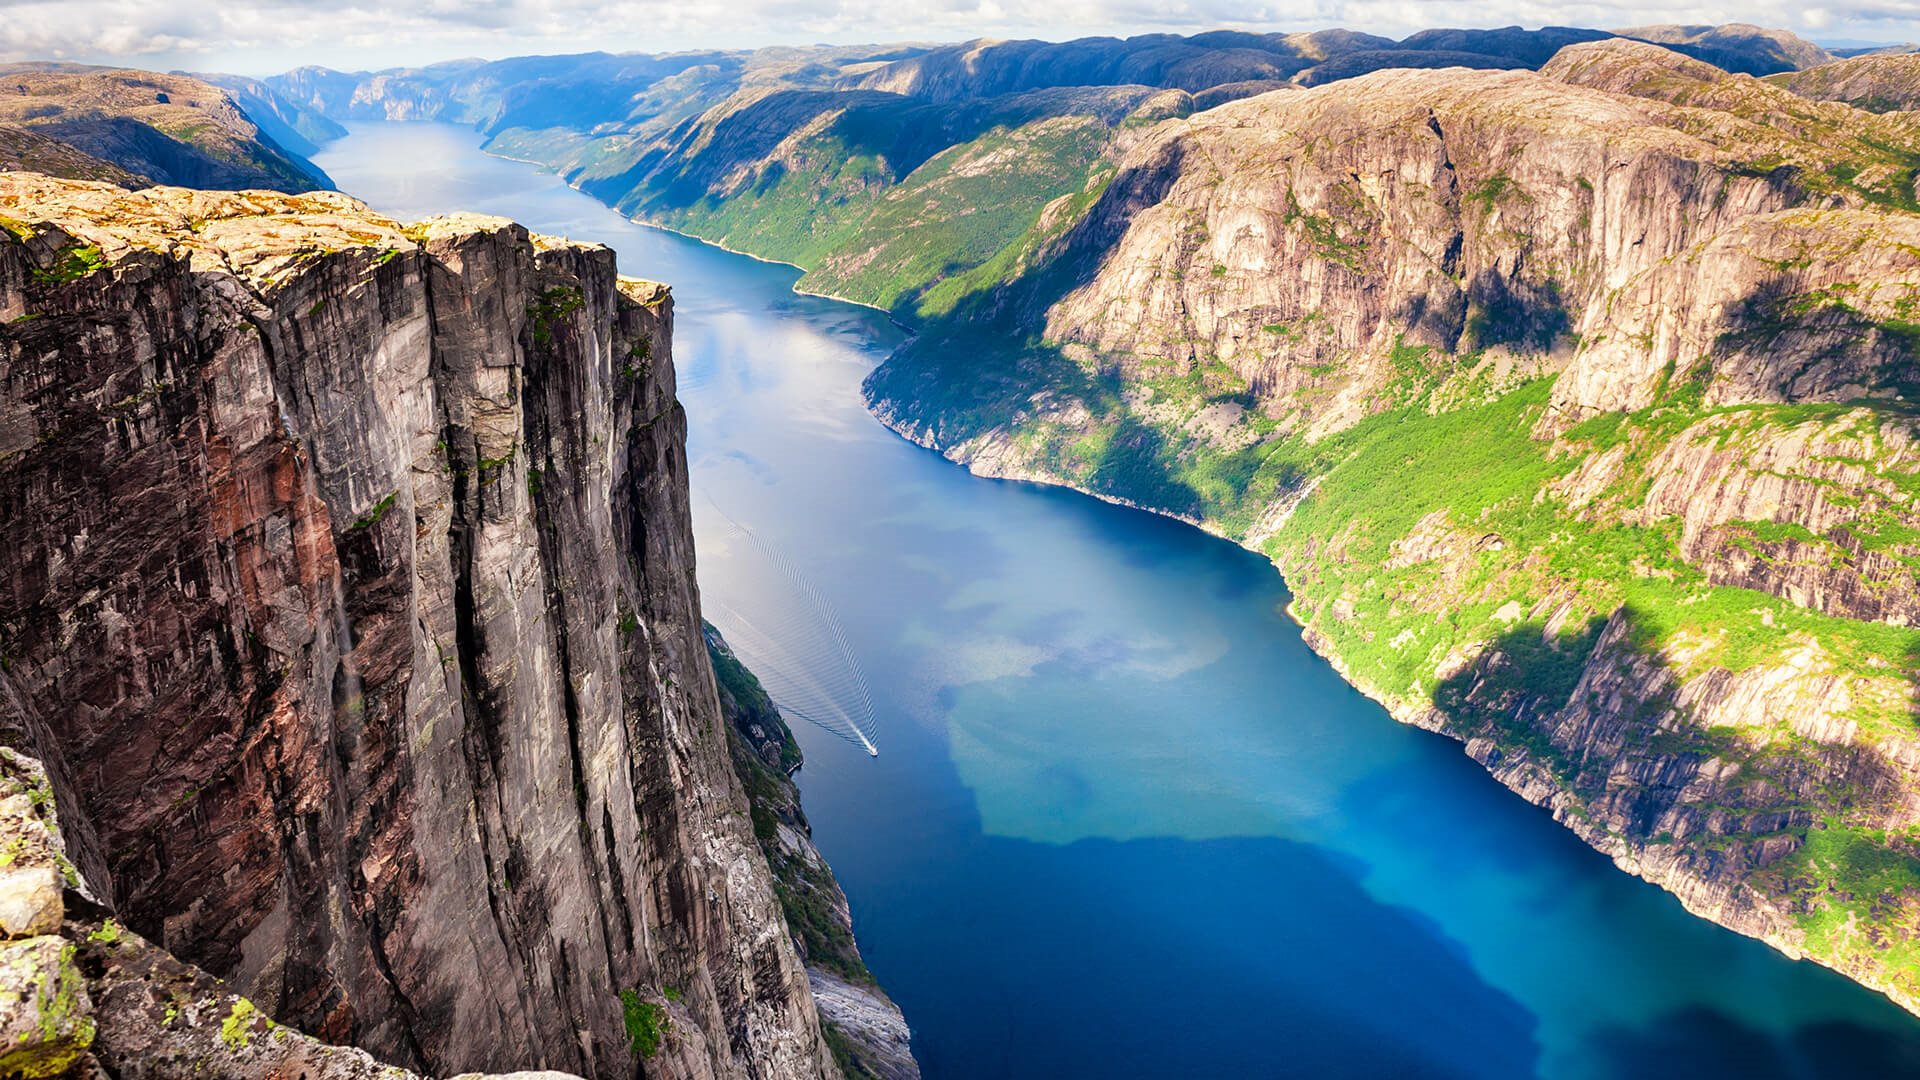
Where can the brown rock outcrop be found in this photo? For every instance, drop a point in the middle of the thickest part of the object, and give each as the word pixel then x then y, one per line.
pixel 1303 238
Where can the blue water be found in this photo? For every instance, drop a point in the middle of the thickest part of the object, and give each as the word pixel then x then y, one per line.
pixel 1123 822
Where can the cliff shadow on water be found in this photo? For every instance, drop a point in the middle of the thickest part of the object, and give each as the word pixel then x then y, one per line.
pixel 1706 1042
pixel 1759 837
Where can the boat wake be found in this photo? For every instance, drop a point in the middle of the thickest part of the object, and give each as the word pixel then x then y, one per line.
pixel 789 636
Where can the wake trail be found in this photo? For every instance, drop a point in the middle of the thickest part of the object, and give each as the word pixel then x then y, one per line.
pixel 793 640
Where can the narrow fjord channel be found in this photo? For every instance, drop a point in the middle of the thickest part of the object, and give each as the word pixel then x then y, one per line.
pixel 1123 822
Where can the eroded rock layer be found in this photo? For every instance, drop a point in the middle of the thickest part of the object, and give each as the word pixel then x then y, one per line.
pixel 349 602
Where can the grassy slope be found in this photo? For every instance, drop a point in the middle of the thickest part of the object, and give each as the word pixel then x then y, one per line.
pixel 887 201
pixel 1449 453
pixel 954 214
pixel 1461 449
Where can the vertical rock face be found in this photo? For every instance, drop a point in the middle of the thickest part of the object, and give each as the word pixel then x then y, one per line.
pixel 349 602
pixel 1556 221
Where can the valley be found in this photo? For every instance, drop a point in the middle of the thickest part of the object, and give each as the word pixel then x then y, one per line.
pixel 1551 395
pixel 1104 743
pixel 1489 363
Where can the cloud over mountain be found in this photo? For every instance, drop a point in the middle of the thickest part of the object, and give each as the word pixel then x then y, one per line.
pixel 262 35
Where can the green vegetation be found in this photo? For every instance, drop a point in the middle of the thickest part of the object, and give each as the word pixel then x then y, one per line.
pixel 646 1023
pixel 372 517
pixel 887 200
pixel 489 467
pixel 1489 192
pixel 1857 891
pixel 764 756
pixel 639 356
pixel 1325 233
pixel 64 1029
pixel 551 306
pixel 846 1052
pixel 71 263
pixel 907 243
pixel 945 295
pixel 236 1031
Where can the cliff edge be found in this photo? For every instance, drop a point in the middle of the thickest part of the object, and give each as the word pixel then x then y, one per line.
pixel 349 605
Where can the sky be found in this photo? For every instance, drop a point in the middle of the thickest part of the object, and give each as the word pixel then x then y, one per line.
pixel 259 37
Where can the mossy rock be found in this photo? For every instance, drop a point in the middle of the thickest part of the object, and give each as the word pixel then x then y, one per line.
pixel 46 1018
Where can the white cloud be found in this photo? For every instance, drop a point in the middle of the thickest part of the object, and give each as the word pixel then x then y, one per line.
pixel 266 35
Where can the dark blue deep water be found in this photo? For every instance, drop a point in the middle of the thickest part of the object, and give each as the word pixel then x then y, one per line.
pixel 1123 822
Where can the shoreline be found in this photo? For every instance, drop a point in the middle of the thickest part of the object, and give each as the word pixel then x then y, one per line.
pixel 716 244
pixel 1762 921
pixel 1519 775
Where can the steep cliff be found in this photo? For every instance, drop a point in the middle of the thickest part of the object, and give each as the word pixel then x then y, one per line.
pixel 349 603
pixel 81 995
pixel 1577 409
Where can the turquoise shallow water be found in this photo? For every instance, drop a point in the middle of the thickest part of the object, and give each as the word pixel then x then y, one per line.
pixel 1123 822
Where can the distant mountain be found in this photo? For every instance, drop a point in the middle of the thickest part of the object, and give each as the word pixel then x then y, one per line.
pixel 164 129
pixel 296 128
pixel 1736 47
pixel 578 92
pixel 576 109
pixel 1220 95
pixel 978 69
pixel 1530 48
pixel 1354 64
pixel 1848 52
